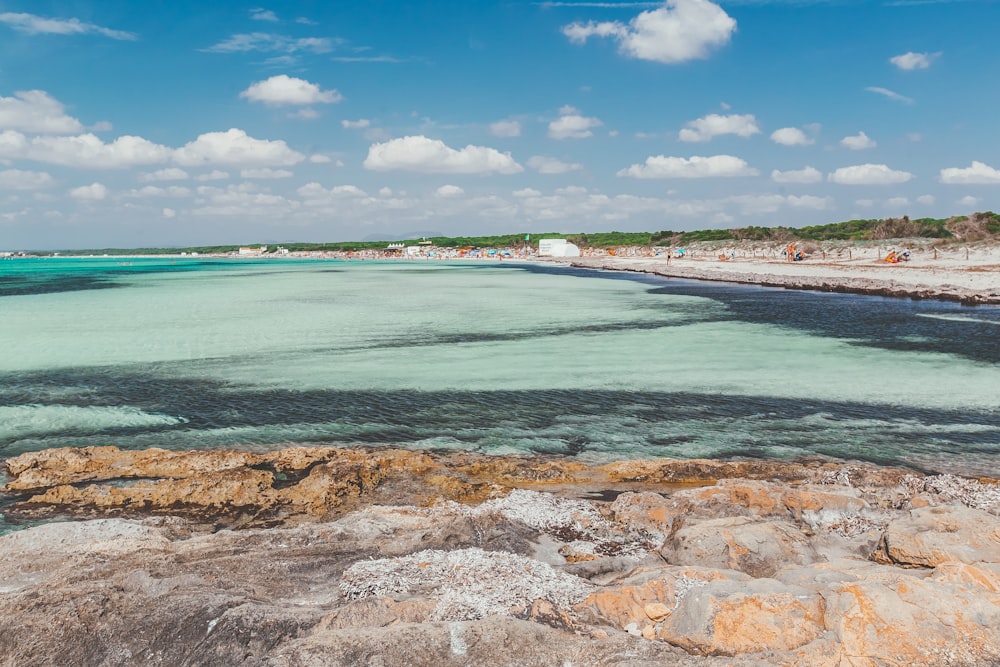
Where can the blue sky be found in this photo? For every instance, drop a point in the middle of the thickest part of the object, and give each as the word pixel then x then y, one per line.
pixel 180 123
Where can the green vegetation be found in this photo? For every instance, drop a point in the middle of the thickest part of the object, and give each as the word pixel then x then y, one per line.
pixel 976 227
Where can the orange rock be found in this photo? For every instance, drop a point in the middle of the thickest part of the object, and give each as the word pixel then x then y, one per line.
pixel 656 611
pixel 914 622
pixel 731 618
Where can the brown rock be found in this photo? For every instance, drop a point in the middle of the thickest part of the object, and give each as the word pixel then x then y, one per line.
pixel 759 548
pixel 656 611
pixel 914 621
pixel 930 536
pixel 646 512
pixel 981 575
pixel 730 618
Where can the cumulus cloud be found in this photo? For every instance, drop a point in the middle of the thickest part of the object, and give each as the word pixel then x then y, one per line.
pixel 446 191
pixel 969 201
pixel 156 191
pixel 18 179
pixel 169 213
pixel 858 142
pixel 757 204
pixel 359 124
pixel 891 94
pixel 85 150
pixel 38 25
pixel 679 31
pixel 926 200
pixel 911 60
pixel 283 89
pixel 265 172
pixel 978 173
pixel 92 192
pixel 551 165
pixel 36 111
pixel 168 174
pixel 715 166
pixel 897 202
pixel 790 136
pixel 214 175
pixel 234 147
pixel 807 175
pixel 505 128
pixel 421 154
pixel 869 174
pixel 572 125
pixel 713 125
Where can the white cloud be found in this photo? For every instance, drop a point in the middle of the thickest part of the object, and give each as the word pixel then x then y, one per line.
pixel 35 111
pixel 892 95
pixel 681 30
pixel 85 150
pixel 283 89
pixel 858 142
pixel 214 175
pixel 446 191
pixel 168 174
pixel 713 125
pixel 17 179
pixel 245 200
pixel 869 174
pixel 92 192
pixel 526 192
pixel 897 202
pixel 571 125
pixel 271 43
pixel 318 158
pixel 911 60
pixel 259 14
pixel 696 166
pixel 233 147
pixel 791 136
pixel 361 123
pixel 169 213
pixel 926 200
pixel 807 175
pixel 432 156
pixel 978 173
pixel 551 165
pixel 757 204
pixel 155 191
pixel 505 128
pixel 265 172
pixel 969 201
pixel 37 25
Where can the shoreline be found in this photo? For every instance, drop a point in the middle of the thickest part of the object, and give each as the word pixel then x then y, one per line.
pixel 968 278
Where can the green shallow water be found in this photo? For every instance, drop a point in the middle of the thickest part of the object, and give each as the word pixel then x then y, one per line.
pixel 494 357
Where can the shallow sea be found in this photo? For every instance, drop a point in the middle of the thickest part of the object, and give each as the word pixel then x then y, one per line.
pixel 496 357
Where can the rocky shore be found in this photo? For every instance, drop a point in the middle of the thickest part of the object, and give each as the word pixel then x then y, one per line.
pixel 322 556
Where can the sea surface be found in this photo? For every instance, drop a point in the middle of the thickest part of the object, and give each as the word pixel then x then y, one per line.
pixel 494 356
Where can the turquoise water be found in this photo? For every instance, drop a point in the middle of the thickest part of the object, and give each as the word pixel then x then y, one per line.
pixel 496 357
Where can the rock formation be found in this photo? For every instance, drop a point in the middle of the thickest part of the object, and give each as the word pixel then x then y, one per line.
pixel 322 556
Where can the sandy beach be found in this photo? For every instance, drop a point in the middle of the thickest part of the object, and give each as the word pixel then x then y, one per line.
pixel 969 274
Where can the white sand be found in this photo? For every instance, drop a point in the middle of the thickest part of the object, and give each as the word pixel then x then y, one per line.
pixel 969 274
